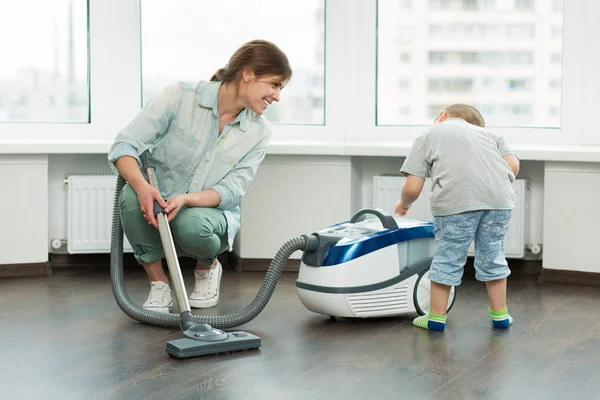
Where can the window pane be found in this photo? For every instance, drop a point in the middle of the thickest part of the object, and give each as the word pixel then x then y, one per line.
pixel 502 56
pixel 44 66
pixel 189 40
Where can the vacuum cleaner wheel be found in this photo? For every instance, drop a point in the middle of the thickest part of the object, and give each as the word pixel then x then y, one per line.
pixel 422 290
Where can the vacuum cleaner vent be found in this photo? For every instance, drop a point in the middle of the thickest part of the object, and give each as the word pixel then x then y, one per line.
pixel 382 302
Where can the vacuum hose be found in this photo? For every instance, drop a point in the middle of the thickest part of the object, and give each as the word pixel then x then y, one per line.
pixel 234 319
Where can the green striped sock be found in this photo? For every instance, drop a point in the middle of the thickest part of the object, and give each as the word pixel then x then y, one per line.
pixel 500 319
pixel 430 321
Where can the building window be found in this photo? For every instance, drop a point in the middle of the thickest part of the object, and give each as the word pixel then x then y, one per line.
pixel 557 5
pixel 450 85
pixel 403 84
pixel 404 111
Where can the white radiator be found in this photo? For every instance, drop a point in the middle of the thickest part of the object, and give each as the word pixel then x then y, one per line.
pixel 89 213
pixel 387 189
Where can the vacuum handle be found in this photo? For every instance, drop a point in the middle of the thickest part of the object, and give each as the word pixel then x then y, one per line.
pixel 148 166
pixel 387 220
pixel 147 160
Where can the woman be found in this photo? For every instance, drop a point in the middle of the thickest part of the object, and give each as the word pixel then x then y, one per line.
pixel 208 139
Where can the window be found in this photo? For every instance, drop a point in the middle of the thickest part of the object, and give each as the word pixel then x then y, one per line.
pixel 403 83
pixel 404 110
pixel 44 67
pixel 450 85
pixel 557 5
pixel 479 60
pixel 181 41
pixel 404 57
pixel 517 84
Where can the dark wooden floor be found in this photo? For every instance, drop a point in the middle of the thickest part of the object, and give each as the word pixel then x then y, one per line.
pixel 63 337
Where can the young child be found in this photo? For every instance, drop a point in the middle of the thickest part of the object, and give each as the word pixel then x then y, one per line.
pixel 471 171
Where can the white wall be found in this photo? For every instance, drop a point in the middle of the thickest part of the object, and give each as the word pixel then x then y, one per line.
pixel 291 196
pixel 24 205
pixel 571 216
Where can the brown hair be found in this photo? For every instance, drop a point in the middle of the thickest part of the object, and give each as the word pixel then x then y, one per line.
pixel 466 112
pixel 263 57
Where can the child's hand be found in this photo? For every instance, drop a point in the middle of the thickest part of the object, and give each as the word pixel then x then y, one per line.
pixel 400 209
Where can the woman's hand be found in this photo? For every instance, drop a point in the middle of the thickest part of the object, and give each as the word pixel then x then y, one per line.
pixel 174 204
pixel 146 196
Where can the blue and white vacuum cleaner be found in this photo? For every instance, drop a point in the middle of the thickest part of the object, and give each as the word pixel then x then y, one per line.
pixel 369 267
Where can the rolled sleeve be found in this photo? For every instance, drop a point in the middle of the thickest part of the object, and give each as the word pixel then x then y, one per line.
pixel 119 150
pixel 147 127
pixel 227 194
pixel 235 184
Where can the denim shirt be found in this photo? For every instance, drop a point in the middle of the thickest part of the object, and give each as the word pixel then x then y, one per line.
pixel 180 126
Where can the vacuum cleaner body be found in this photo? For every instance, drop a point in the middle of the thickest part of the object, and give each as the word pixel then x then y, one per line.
pixel 367 268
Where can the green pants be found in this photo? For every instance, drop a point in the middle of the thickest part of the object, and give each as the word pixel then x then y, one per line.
pixel 198 232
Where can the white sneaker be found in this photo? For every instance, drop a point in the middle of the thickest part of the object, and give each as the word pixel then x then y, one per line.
pixel 206 287
pixel 159 299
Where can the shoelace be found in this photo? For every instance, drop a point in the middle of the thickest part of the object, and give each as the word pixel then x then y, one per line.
pixel 208 277
pixel 157 295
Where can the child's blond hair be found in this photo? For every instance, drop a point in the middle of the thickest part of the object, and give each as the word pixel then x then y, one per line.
pixel 466 112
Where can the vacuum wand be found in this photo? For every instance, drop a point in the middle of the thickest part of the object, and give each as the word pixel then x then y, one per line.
pixel 166 237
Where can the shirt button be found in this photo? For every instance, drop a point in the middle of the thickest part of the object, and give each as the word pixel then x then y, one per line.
pixel 195 182
pixel 184 137
pixel 207 158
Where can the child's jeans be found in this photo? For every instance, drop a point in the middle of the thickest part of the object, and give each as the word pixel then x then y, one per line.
pixel 453 236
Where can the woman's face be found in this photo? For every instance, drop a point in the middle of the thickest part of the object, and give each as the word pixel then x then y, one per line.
pixel 262 91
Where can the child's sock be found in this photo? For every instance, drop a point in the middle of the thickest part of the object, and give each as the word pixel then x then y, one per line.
pixel 500 319
pixel 430 321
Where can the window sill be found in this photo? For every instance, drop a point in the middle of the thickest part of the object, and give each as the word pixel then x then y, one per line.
pixel 373 149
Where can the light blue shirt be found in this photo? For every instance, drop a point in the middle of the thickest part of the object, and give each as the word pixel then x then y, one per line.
pixel 181 128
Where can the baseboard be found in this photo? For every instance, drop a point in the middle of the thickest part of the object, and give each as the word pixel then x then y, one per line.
pixel 103 260
pixel 25 270
pixel 569 277
pixel 258 264
pixel 233 261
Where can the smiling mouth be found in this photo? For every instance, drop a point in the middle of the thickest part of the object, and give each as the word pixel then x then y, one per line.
pixel 267 103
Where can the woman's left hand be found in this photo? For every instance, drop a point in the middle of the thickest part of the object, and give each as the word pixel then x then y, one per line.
pixel 174 204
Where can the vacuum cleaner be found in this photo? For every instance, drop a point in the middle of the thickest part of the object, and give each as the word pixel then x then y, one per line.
pixel 369 267
pixel 365 267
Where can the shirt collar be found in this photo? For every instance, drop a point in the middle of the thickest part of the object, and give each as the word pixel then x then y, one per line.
pixel 454 119
pixel 207 96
